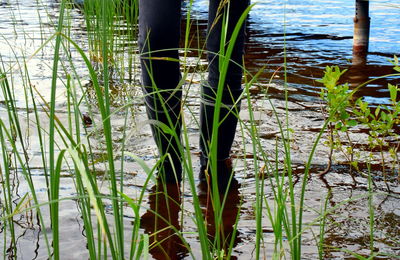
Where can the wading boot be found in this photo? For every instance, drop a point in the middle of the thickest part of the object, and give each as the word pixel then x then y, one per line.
pixel 163 111
pixel 228 118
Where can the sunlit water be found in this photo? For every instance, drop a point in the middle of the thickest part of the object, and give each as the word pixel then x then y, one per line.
pixel 310 34
pixel 317 34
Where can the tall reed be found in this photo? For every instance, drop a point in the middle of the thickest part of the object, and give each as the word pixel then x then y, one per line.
pixel 70 149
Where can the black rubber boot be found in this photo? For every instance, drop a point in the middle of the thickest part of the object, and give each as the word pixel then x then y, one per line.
pixel 159 32
pixel 232 89
pixel 166 115
pixel 226 133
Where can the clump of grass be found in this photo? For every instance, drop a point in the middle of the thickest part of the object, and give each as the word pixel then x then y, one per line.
pixel 64 149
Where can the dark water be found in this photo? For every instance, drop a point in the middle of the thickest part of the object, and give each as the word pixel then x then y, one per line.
pixel 317 34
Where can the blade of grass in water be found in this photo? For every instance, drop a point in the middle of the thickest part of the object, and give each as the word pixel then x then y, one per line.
pixel 6 184
pixel 13 132
pixel 53 212
pixel 258 188
pixel 224 63
pixel 105 111
pixel 27 176
pixel 322 228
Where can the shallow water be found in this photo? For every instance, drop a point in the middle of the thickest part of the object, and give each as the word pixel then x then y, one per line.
pixel 318 33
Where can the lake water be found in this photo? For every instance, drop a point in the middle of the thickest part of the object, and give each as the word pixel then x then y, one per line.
pixel 314 33
pixel 317 34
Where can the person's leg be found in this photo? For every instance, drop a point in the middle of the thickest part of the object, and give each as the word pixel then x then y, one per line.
pixel 159 32
pixel 232 87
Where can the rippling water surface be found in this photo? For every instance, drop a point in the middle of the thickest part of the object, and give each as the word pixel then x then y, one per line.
pixel 310 34
pixel 316 34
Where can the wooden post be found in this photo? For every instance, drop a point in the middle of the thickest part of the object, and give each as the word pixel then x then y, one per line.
pixel 361 32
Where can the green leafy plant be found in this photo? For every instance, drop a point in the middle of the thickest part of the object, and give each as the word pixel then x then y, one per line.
pixel 381 122
pixel 343 114
pixel 338 100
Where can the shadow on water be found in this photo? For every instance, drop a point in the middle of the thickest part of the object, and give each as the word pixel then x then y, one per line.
pixel 162 220
pixel 230 212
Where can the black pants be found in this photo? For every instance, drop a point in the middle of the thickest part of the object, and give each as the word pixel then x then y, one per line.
pixel 159 36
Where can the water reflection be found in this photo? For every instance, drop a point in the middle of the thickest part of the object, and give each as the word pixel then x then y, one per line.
pixel 161 222
pixel 225 231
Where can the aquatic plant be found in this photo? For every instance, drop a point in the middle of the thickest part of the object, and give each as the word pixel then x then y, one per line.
pixel 72 148
pixel 379 121
pixel 337 97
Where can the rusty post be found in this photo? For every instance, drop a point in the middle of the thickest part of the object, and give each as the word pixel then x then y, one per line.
pixel 361 32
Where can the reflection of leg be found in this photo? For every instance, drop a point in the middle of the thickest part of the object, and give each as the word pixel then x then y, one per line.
pixel 159 31
pixel 232 85
pixel 161 221
pixel 229 214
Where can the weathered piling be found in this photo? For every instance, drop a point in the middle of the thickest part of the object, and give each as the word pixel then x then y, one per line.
pixel 361 32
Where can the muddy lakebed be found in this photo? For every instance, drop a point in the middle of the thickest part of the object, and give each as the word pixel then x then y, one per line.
pixel 347 224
